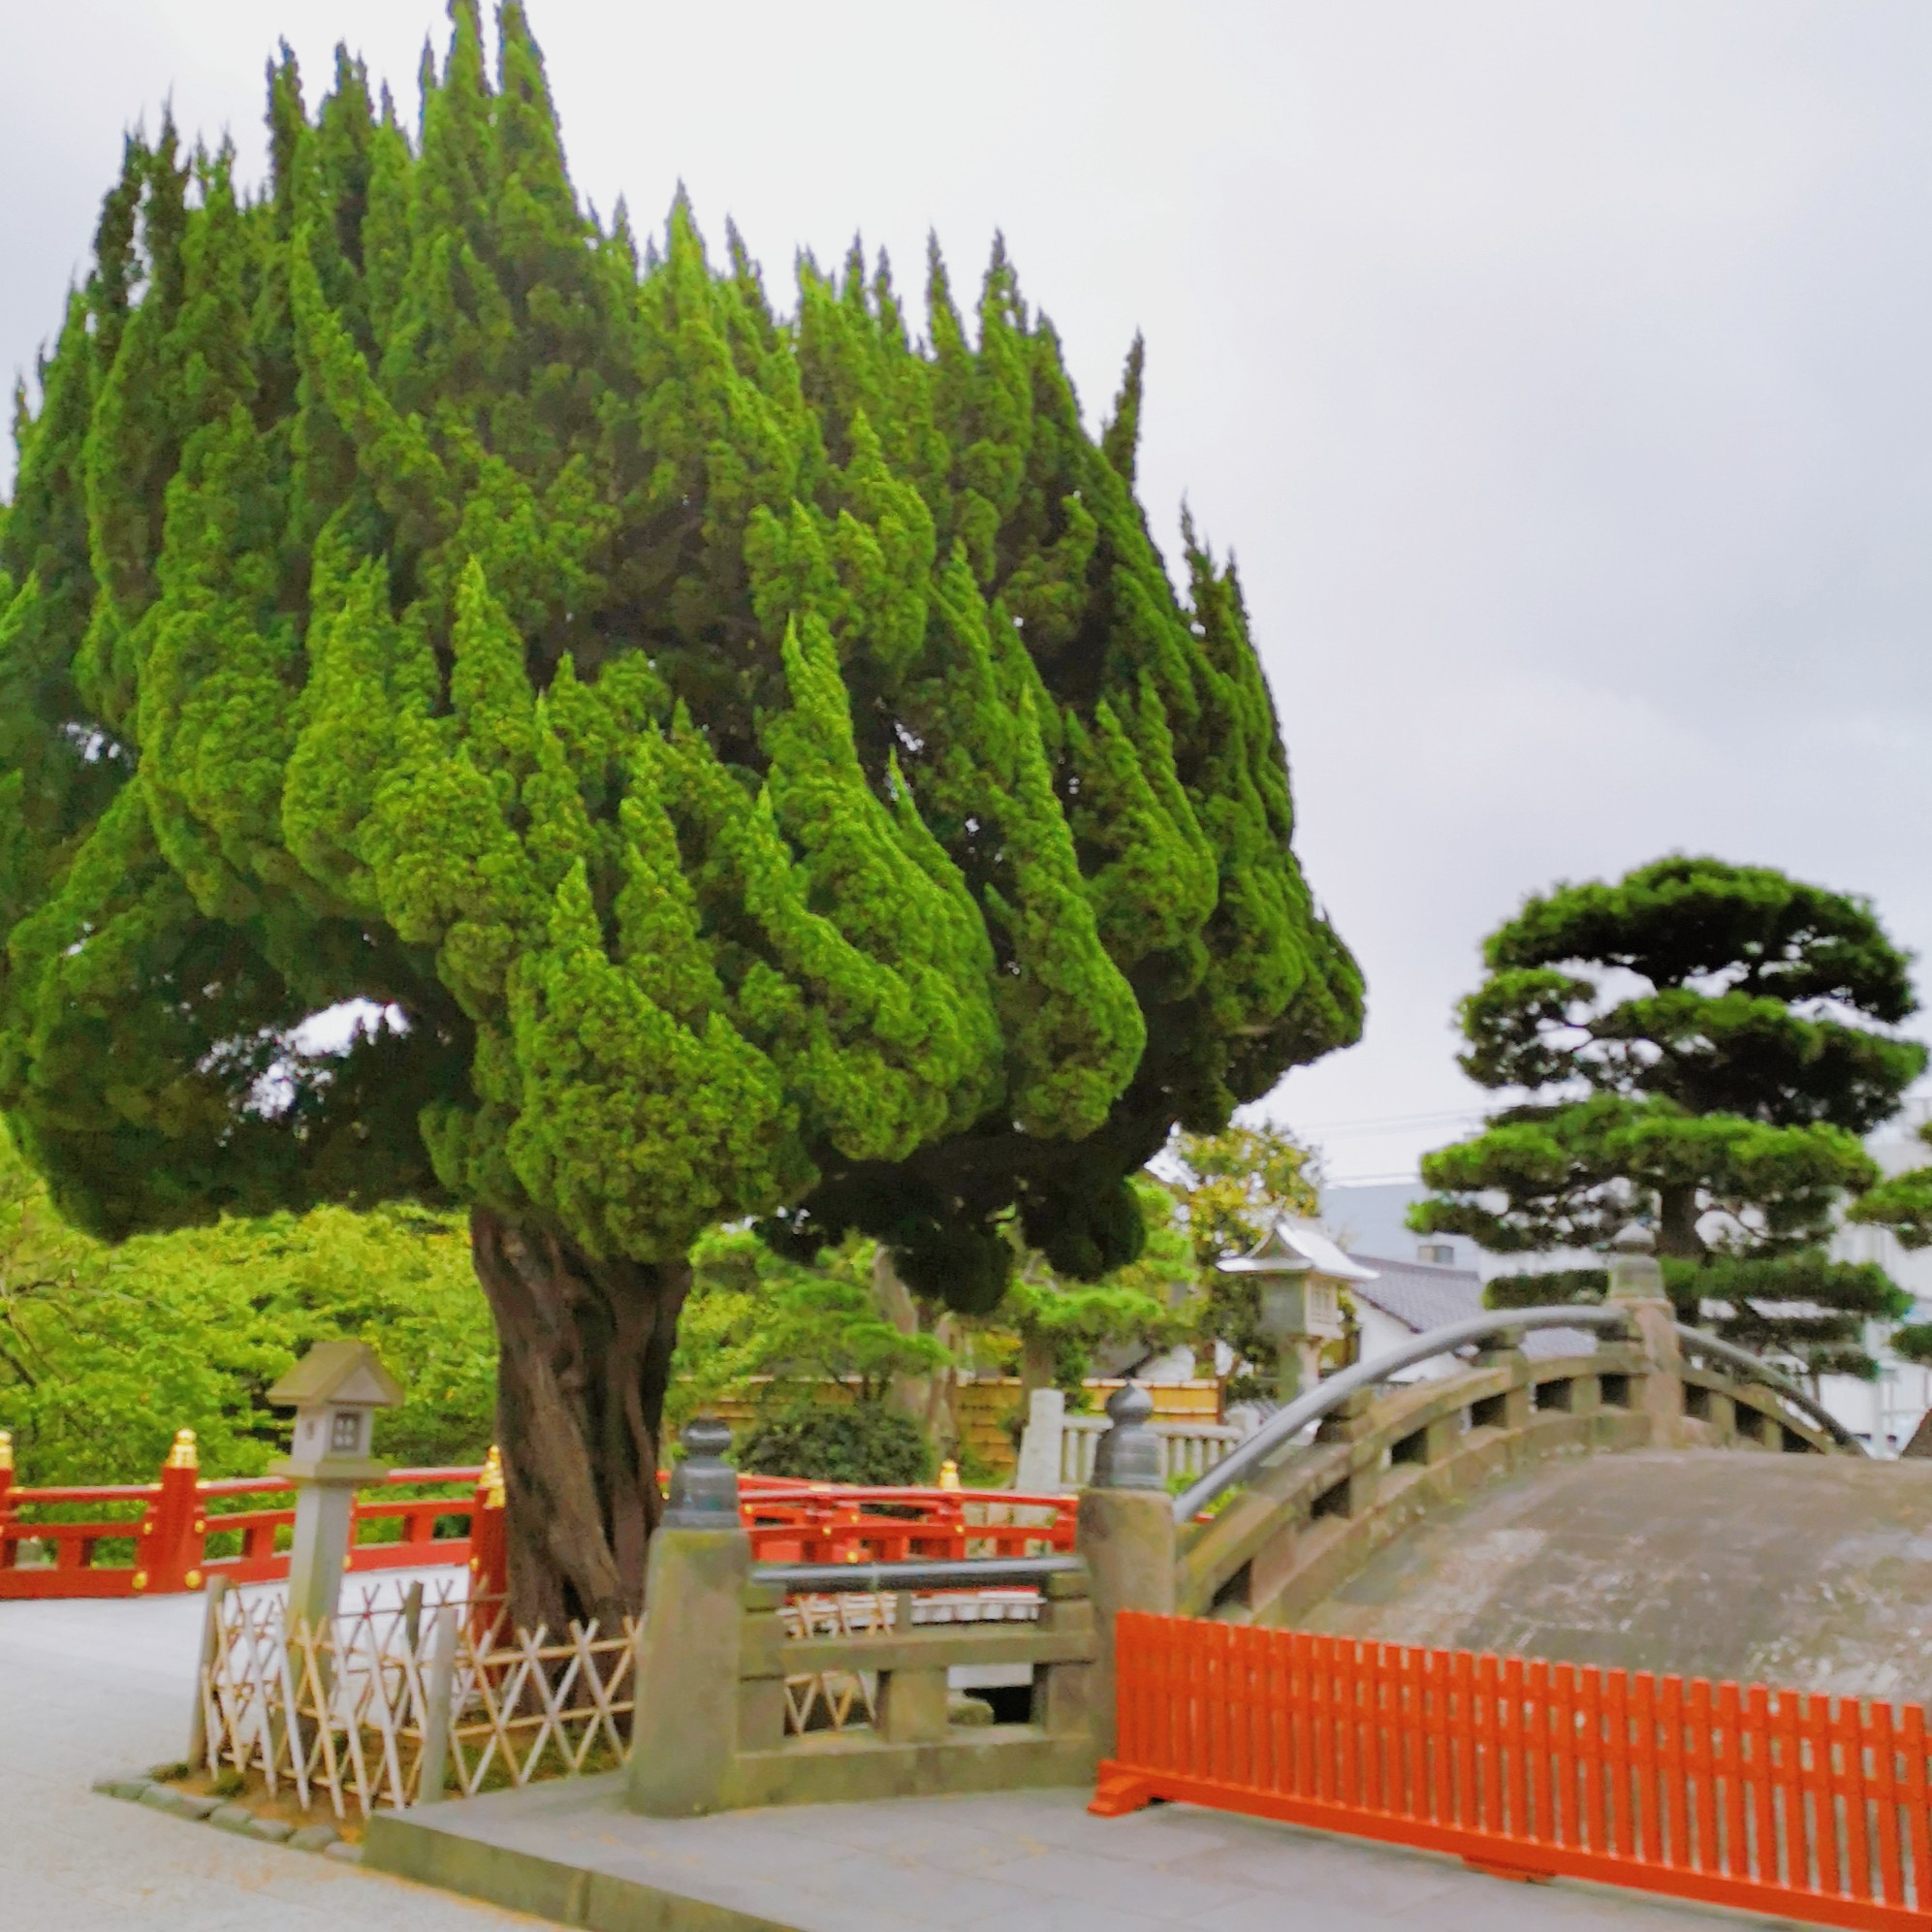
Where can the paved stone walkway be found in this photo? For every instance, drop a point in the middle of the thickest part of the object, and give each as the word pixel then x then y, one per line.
pixel 1016 1861
pixel 92 1688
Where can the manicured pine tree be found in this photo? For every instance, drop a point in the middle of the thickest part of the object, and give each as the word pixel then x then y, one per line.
pixel 1701 1046
pixel 734 766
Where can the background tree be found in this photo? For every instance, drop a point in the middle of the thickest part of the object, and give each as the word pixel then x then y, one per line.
pixel 1702 1045
pixel 755 1316
pixel 1231 1187
pixel 105 1352
pixel 485 719
pixel 1145 1307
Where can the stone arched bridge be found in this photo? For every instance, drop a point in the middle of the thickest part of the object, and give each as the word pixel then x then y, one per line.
pixel 1572 1507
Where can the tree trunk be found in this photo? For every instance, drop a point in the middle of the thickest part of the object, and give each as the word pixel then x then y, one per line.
pixel 1039 1364
pixel 928 1400
pixel 1677 1224
pixel 911 1395
pixel 584 1359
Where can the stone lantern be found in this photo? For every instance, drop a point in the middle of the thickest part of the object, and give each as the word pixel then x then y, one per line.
pixel 335 1390
pixel 1300 1273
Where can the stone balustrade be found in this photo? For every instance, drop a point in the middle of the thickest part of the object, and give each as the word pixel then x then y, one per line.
pixel 1057 1450
pixel 1380 1461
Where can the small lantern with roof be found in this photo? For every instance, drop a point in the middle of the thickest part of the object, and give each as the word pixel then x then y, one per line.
pixel 335 1390
pixel 1300 1273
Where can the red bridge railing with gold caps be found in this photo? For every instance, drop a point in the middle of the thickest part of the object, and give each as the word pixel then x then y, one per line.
pixel 171 1535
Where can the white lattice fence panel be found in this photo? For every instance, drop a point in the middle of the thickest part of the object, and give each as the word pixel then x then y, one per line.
pixel 340 1711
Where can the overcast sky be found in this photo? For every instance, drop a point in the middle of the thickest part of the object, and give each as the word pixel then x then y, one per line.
pixel 1559 376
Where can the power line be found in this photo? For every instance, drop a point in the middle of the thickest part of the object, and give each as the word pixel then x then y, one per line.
pixel 1387 1122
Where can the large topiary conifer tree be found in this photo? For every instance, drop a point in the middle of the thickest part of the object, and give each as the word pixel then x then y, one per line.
pixel 737 765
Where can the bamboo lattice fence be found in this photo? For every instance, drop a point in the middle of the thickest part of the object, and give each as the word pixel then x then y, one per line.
pixel 353 1711
pixel 350 1712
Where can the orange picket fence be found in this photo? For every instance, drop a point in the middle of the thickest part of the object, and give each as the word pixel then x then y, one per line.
pixel 1775 1801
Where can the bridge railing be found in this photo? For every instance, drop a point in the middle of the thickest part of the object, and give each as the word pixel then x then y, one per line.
pixel 1297 1510
pixel 1287 1425
pixel 175 1532
pixel 178 1532
pixel 848 1522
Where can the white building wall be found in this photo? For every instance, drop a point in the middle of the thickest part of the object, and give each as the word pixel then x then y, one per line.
pixel 1887 1411
pixel 1382 1335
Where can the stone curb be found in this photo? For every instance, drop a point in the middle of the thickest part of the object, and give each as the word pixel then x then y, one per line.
pixel 140 1787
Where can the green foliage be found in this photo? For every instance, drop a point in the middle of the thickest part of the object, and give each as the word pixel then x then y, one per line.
pixel 1232 1187
pixel 1901 1202
pixel 1058 1322
pixel 825 1441
pixel 1701 1046
pixel 1553 1287
pixel 754 765
pixel 1804 1304
pixel 105 1353
pixel 753 1313
pixel 1914 1342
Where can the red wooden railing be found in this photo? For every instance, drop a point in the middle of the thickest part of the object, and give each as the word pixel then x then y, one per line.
pixel 168 1524
pixel 825 1523
pixel 1777 1801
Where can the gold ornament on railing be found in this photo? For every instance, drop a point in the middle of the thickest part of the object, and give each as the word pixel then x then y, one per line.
pixel 490 1482
pixel 182 1455
pixel 949 1474
pixel 6 1449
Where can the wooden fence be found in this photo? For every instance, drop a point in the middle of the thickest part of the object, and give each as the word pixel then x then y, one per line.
pixel 1774 1801
pixel 386 1705
pixel 179 1531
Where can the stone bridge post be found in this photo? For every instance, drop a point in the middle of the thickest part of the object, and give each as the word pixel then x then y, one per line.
pixel 686 1722
pixel 1127 1533
pixel 1637 1285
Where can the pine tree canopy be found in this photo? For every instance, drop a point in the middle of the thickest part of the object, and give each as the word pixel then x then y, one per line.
pixel 737 764
pixel 1701 1045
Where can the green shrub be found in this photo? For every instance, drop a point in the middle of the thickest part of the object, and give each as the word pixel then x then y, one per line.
pixel 864 1442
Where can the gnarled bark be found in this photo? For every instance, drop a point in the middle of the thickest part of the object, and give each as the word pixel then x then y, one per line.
pixel 584 1351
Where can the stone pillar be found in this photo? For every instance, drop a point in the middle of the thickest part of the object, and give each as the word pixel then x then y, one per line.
pixel 1126 1533
pixel 325 1509
pixel 1636 1286
pixel 1040 1443
pixel 684 1733
pixel 1513 1408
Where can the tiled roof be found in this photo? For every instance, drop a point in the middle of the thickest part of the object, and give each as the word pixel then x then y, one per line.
pixel 1422 1296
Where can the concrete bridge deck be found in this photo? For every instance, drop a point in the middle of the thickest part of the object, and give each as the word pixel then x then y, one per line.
pixel 1808 1571
pixel 97 1687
